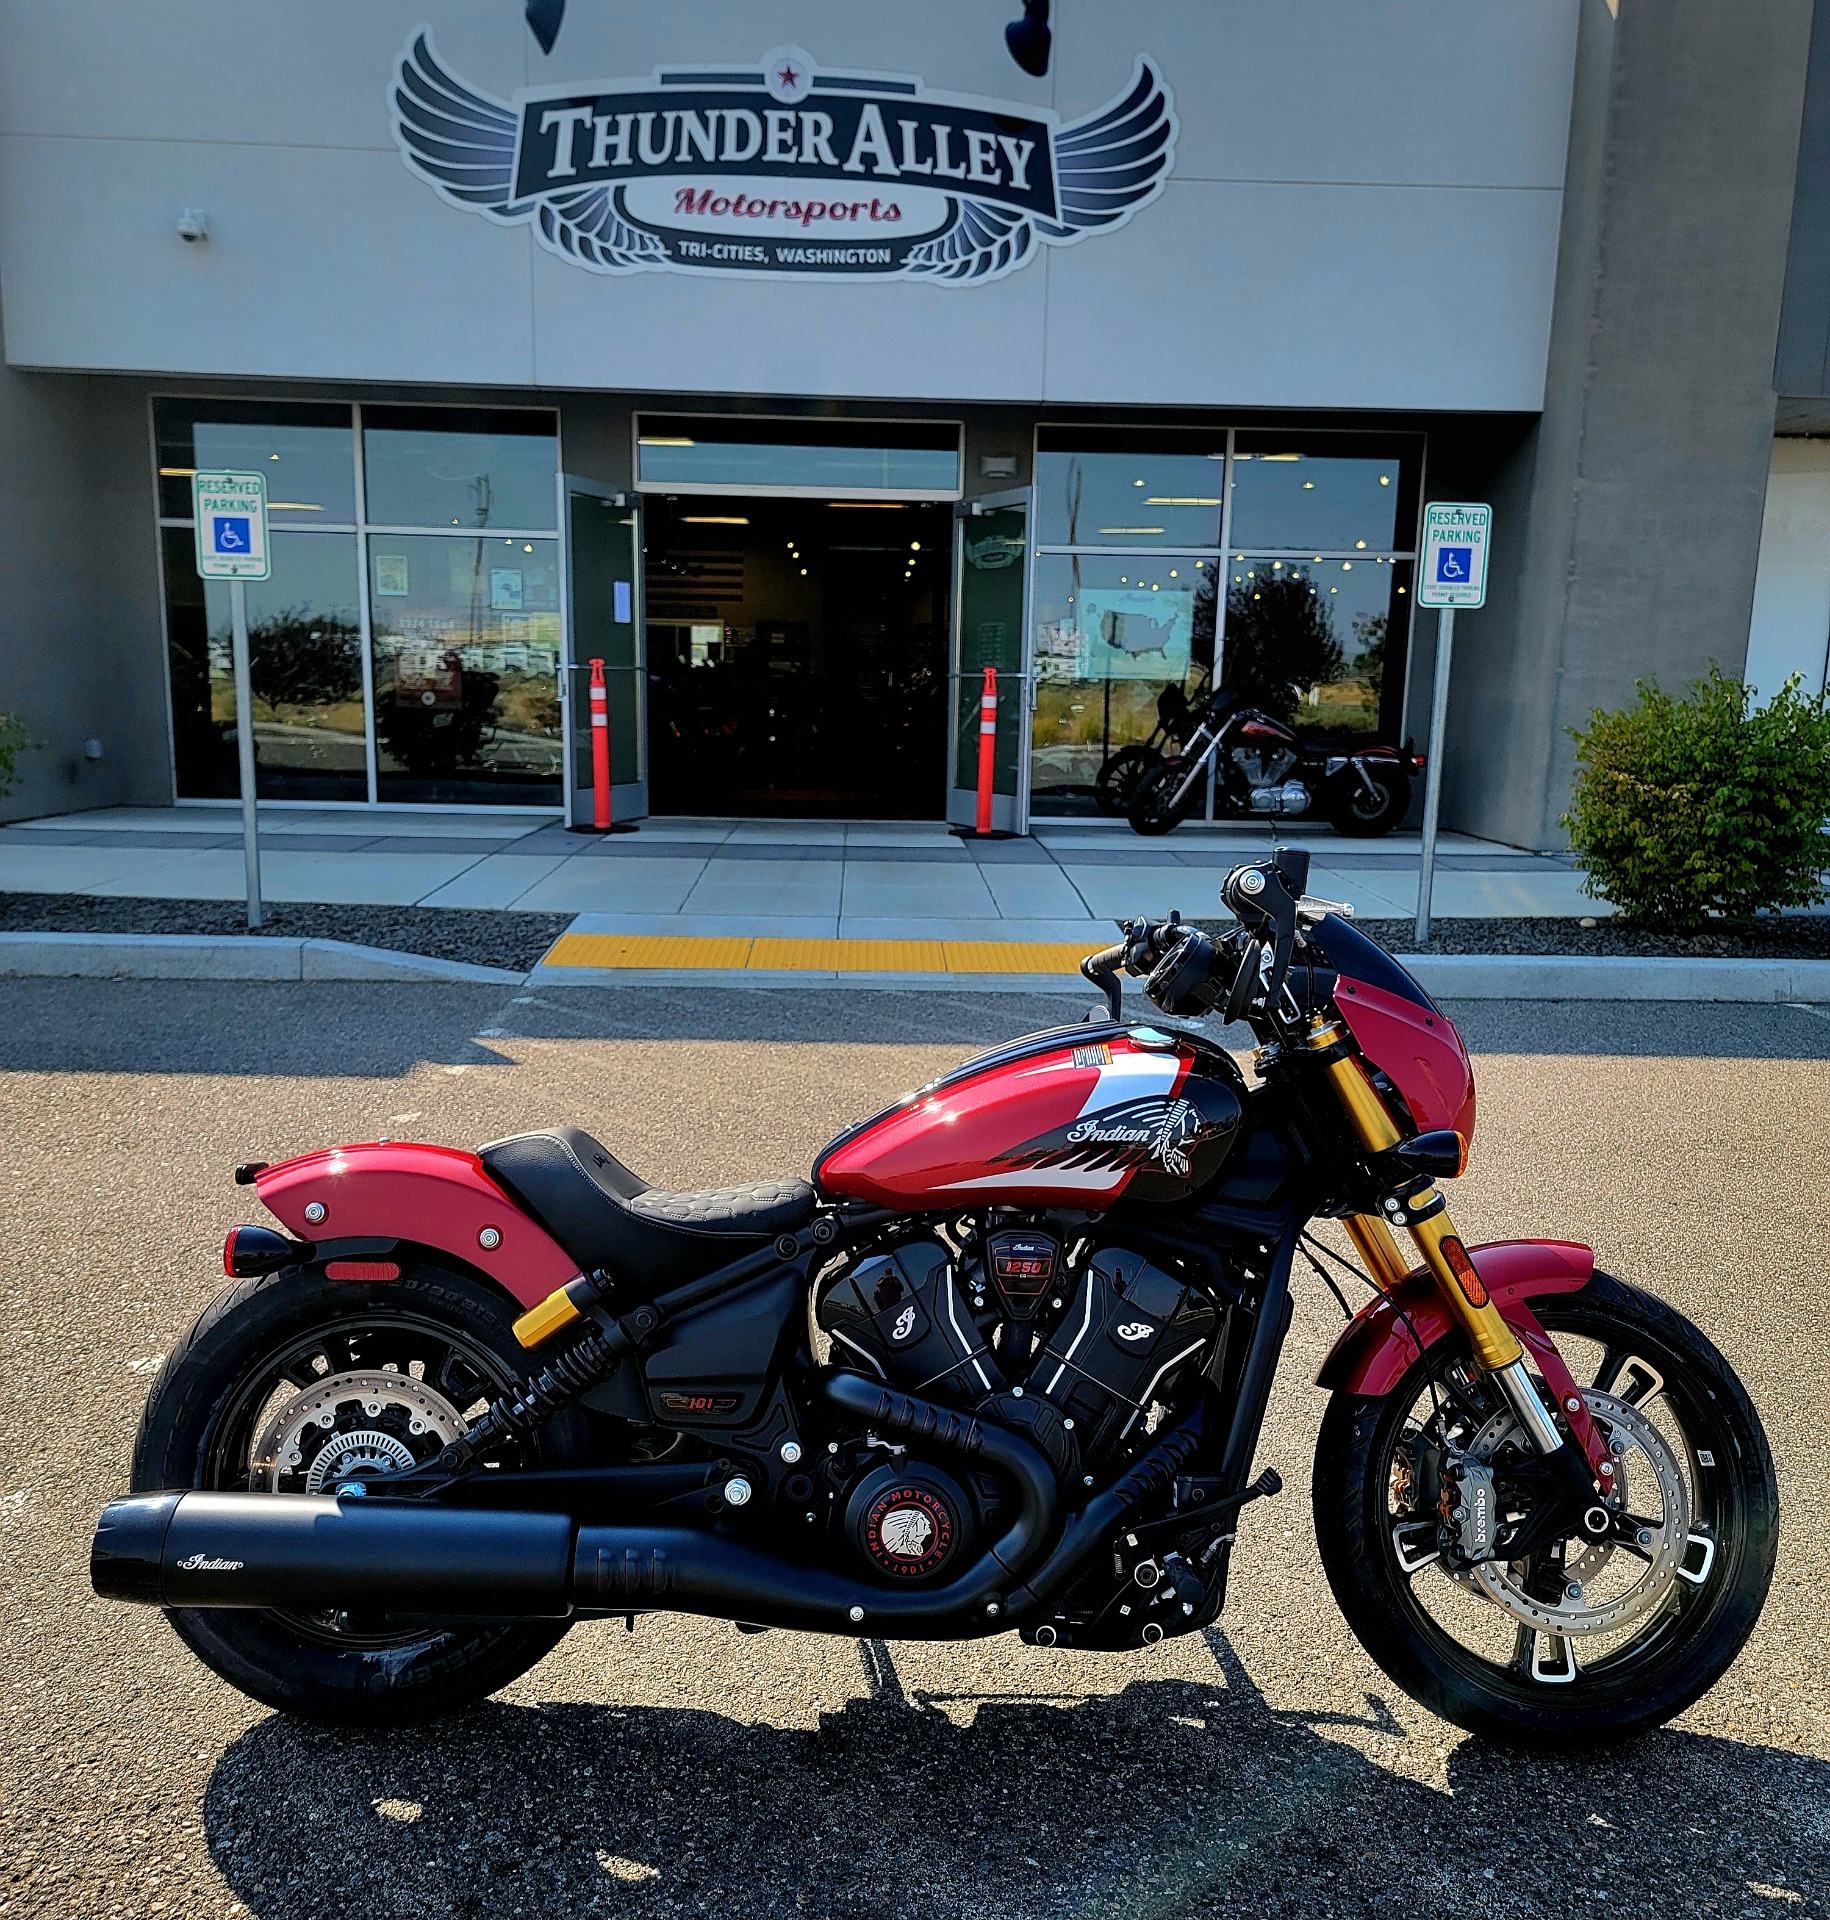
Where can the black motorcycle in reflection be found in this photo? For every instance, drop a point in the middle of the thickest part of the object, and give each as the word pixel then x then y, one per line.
pixel 1260 768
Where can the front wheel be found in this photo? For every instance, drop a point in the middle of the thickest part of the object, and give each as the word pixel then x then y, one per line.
pixel 1118 776
pixel 1155 808
pixel 1365 810
pixel 1585 1642
pixel 297 1383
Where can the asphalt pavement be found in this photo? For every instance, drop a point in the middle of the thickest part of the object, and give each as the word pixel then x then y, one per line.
pixel 1266 1767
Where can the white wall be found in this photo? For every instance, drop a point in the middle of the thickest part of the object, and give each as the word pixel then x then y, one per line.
pixel 1790 632
pixel 1364 209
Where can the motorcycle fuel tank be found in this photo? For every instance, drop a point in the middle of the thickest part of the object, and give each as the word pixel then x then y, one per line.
pixel 1078 1117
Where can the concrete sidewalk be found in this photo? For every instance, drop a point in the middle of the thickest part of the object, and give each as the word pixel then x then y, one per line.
pixel 776 880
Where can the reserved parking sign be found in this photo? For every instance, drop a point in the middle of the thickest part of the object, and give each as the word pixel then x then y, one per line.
pixel 1454 557
pixel 231 514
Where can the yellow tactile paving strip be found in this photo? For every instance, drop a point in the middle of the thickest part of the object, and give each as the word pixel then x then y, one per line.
pixel 665 951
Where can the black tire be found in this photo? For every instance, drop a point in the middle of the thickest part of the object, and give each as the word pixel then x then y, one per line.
pixel 1684 1648
pixel 1359 815
pixel 1152 811
pixel 1118 777
pixel 196 1432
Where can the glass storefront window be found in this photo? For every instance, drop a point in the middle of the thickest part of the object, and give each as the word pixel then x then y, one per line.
pixel 1310 641
pixel 1111 633
pixel 460 467
pixel 811 457
pixel 1156 491
pixel 305 452
pixel 304 668
pixel 1324 492
pixel 467 644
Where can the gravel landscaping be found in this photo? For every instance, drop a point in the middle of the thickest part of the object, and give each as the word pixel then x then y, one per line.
pixel 1797 937
pixel 483 937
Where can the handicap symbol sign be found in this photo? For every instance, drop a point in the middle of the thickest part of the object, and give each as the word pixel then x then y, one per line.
pixel 1454 565
pixel 231 530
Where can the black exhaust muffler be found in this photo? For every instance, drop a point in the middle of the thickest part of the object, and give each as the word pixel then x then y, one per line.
pixel 304 1553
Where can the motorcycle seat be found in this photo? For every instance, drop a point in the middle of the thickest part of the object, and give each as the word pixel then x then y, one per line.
pixel 605 1216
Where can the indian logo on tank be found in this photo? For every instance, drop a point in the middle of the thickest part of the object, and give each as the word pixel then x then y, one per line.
pixel 783 169
pixel 1133 1133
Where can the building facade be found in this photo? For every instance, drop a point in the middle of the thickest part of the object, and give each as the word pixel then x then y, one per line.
pixel 799 361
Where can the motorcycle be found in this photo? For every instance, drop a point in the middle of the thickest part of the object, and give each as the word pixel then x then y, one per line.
pixel 1001 1364
pixel 1263 768
pixel 1121 770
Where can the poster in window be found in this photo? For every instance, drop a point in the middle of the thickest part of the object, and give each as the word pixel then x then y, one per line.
pixel 391 575
pixel 505 589
pixel 1134 633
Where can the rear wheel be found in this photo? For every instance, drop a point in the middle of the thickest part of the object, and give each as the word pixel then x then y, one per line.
pixel 1585 1642
pixel 298 1384
pixel 1154 807
pixel 1364 811
pixel 1118 777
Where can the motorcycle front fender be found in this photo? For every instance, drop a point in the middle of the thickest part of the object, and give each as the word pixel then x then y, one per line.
pixel 1379 1345
pixel 432 1197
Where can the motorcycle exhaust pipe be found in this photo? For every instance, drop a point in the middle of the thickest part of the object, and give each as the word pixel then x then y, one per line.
pixel 305 1553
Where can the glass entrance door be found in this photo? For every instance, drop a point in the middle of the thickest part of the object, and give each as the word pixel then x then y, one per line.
pixel 604 622
pixel 990 629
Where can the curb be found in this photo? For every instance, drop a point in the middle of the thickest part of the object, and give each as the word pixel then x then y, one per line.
pixel 197 956
pixel 1475 976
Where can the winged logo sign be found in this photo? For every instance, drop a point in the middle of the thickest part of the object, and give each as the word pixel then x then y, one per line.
pixel 782 169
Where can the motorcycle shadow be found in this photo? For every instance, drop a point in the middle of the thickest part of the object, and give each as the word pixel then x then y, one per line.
pixel 1169 1796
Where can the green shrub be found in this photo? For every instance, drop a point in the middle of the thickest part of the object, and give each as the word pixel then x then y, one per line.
pixel 1706 806
pixel 15 738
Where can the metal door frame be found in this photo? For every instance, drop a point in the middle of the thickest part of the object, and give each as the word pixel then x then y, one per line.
pixel 965 510
pixel 573 696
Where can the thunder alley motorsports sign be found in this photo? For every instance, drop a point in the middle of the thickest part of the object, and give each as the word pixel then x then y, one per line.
pixel 782 169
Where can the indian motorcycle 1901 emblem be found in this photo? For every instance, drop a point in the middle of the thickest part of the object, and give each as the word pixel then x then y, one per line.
pixel 783 169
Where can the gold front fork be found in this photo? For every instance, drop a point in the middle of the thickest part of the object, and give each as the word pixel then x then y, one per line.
pixel 1494 1343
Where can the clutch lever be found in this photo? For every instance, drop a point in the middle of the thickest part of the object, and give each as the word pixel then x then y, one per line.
pixel 1102 969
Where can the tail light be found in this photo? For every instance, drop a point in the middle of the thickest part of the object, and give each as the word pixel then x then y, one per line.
pixel 249 1252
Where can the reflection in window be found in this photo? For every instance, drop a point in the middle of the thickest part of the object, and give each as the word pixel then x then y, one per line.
pixel 460 467
pixel 304 451
pixel 1328 492
pixel 1157 491
pixel 304 668
pixel 1310 642
pixel 467 645
pixel 860 457
pixel 1113 636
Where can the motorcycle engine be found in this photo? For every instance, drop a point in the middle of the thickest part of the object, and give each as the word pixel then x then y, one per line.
pixel 1291 797
pixel 1074 1344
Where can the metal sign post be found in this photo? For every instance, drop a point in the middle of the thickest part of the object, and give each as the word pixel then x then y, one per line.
pixel 231 514
pixel 1454 574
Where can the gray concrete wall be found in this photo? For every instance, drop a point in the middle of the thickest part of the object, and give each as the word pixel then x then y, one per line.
pixel 81 647
pixel 1634 508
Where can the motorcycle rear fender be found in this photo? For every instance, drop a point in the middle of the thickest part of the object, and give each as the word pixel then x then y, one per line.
pixel 1376 1348
pixel 433 1197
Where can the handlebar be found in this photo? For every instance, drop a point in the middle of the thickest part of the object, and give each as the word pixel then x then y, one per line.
pixel 1266 898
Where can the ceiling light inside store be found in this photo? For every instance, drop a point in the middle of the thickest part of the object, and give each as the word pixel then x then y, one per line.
pixel 176 473
pixel 1181 500
pixel 657 440
pixel 1131 529
pixel 866 506
pixel 1385 479
pixel 294 506
pixel 273 456
pixel 1308 486
pixel 716 519
pixel 1359 543
pixel 1280 456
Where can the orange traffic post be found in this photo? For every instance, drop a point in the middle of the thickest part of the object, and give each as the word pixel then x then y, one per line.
pixel 600 749
pixel 988 746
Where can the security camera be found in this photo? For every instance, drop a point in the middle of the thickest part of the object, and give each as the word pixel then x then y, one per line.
pixel 193 224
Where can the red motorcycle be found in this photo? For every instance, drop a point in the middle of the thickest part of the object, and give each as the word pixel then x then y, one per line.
pixel 1001 1364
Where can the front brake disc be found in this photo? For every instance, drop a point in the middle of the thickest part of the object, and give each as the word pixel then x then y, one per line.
pixel 1633 1442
